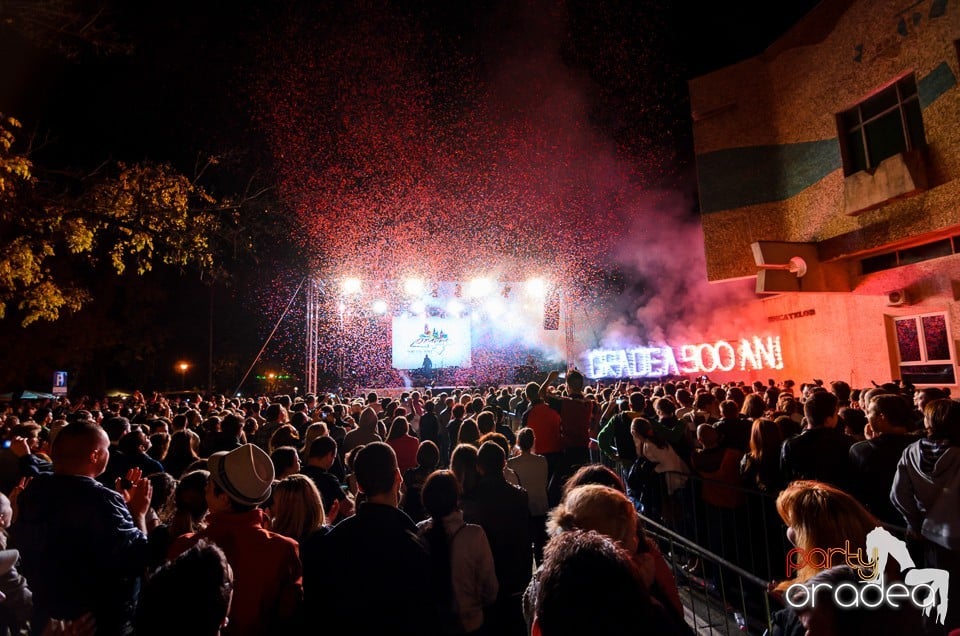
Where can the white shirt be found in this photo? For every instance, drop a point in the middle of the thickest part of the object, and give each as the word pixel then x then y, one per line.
pixel 475 583
pixel 668 462
pixel 531 469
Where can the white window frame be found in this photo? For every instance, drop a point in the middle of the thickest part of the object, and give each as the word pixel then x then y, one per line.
pixel 924 360
pixel 861 124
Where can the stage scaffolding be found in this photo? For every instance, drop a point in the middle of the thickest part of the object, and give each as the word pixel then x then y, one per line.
pixel 314 294
pixel 320 291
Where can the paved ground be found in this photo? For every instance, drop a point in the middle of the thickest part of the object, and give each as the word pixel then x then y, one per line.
pixel 712 612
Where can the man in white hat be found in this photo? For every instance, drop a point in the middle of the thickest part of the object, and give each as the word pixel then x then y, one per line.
pixel 266 565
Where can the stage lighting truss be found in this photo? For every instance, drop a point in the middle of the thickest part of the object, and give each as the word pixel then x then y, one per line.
pixel 418 296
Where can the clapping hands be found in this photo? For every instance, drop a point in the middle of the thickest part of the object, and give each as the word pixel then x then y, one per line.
pixel 136 491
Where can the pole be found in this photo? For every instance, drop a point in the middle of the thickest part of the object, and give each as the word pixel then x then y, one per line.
pixel 267 341
pixel 210 349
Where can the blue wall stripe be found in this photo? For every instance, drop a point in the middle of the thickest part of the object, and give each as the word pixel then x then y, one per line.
pixel 935 84
pixel 737 177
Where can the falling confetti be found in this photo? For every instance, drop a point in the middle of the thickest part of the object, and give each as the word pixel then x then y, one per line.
pixel 411 142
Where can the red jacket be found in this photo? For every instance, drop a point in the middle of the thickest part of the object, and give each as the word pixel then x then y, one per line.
pixel 406 448
pixel 267 585
pixel 545 423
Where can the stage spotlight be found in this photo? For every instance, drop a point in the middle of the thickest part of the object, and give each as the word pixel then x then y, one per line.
pixel 454 307
pixel 413 286
pixel 379 306
pixel 418 307
pixel 480 287
pixel 537 287
pixel 494 307
pixel 351 286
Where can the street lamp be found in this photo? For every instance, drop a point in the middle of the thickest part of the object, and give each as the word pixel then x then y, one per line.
pixel 182 367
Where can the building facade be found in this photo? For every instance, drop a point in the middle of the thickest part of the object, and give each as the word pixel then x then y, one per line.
pixel 829 169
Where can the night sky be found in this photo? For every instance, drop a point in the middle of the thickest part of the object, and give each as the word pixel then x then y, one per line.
pixel 180 80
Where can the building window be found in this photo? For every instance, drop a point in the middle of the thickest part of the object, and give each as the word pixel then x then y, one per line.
pixel 925 349
pixel 883 125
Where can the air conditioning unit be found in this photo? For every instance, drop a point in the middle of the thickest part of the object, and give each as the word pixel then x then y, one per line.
pixel 897 297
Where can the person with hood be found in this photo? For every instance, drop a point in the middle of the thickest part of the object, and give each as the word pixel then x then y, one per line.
pixel 926 491
pixel 365 433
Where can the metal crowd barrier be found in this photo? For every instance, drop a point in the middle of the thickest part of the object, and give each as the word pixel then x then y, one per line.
pixel 746 529
pixel 718 596
pixel 726 544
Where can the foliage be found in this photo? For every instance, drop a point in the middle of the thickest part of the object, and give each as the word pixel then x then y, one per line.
pixel 54 228
pixel 69 27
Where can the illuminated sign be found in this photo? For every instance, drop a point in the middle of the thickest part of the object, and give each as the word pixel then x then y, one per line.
pixel 749 354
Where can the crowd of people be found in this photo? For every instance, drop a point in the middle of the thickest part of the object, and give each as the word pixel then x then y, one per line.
pixel 503 511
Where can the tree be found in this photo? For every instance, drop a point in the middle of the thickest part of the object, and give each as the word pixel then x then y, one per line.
pixel 52 228
pixel 69 27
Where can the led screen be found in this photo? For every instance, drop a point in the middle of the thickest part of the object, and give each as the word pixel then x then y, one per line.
pixel 446 341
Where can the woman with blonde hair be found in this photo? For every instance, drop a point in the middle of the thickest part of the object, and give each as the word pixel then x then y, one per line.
pixel 600 508
pixel 315 430
pixel 610 512
pixel 822 516
pixel 297 509
pixel 819 515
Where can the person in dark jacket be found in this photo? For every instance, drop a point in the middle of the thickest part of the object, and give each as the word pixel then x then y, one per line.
pixel 381 539
pixel 503 511
pixel 820 452
pixel 874 460
pixel 134 447
pixel 320 458
pixel 83 546
pixel 430 430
